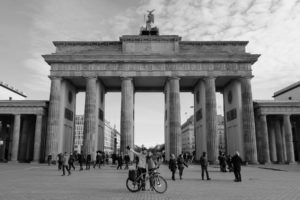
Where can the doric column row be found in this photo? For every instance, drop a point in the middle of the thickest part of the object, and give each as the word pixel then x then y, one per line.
pixel 277 144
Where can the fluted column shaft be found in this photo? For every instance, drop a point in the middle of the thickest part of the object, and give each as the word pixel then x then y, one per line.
pixel 16 138
pixel 248 121
pixel 288 139
pixel 37 138
pixel 174 118
pixel 211 119
pixel 127 112
pixel 279 144
pixel 272 142
pixel 264 139
pixel 53 118
pixel 90 117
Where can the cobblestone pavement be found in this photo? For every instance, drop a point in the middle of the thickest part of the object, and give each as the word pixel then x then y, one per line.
pixel 42 182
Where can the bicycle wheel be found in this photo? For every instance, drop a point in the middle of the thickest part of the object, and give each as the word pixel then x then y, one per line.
pixel 159 184
pixel 133 186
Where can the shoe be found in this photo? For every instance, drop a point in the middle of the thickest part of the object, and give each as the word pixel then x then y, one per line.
pixel 62 175
pixel 208 179
pixel 236 180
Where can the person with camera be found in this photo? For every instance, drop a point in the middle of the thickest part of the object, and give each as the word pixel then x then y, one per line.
pixel 142 164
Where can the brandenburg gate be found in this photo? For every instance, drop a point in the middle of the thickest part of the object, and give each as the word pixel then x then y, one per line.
pixel 147 63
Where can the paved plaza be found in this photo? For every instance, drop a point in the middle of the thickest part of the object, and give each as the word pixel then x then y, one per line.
pixel 42 182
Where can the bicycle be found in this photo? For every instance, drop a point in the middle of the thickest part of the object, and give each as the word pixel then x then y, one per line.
pixel 157 182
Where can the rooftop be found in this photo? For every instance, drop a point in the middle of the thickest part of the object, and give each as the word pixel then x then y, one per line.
pixel 286 89
pixel 15 90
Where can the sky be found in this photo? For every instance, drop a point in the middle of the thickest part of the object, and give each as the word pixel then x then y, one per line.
pixel 27 29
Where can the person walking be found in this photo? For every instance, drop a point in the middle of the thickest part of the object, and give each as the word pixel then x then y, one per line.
pixel 71 161
pixel 88 162
pixel 142 164
pixel 98 160
pixel 204 165
pixel 49 159
pixel 236 164
pixel 181 163
pixel 173 166
pixel 120 161
pixel 81 160
pixel 228 162
pixel 65 164
pixel 60 161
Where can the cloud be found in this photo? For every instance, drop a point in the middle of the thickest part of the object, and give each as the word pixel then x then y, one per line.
pixel 271 27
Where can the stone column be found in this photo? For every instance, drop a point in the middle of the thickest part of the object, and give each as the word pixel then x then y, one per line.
pixel 272 142
pixel 288 139
pixel 37 138
pixel 53 118
pixel 90 117
pixel 264 139
pixel 16 138
pixel 211 119
pixel 279 145
pixel 248 121
pixel 174 117
pixel 127 109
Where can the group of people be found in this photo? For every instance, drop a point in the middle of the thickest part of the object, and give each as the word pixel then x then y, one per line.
pixel 66 161
pixel 179 163
pixel 232 163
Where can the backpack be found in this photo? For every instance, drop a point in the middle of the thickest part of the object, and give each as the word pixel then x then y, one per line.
pixel 132 174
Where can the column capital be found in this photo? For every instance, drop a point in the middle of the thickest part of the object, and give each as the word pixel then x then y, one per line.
pixel 126 78
pixel 247 77
pixel 90 77
pixel 209 77
pixel 173 78
pixel 55 77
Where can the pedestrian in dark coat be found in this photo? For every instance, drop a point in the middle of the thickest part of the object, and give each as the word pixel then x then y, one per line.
pixel 173 166
pixel 228 162
pixel 236 164
pixel 127 160
pixel 181 163
pixel 71 161
pixel 60 161
pixel 81 160
pixel 120 162
pixel 98 160
pixel 204 165
pixel 88 162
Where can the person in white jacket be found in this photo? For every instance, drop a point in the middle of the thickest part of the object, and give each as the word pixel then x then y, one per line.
pixel 142 163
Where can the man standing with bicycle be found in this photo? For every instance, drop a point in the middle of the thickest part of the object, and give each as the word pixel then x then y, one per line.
pixel 142 163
